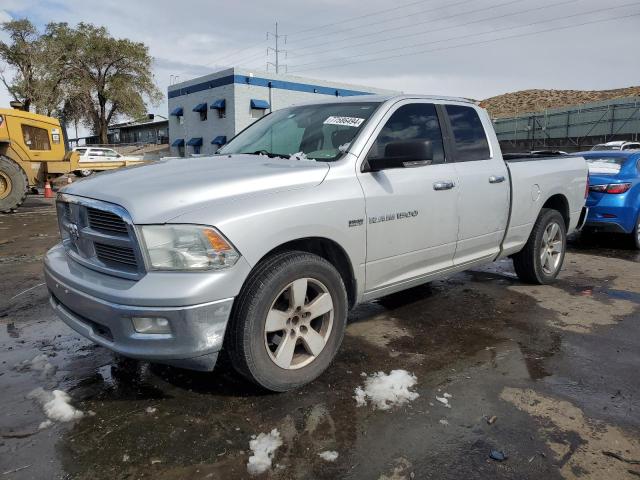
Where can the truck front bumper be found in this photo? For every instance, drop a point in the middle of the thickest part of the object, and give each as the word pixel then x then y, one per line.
pixel 196 331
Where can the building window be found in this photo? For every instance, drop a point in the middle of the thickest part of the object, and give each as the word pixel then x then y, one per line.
pixel 203 115
pixel 196 149
pixel 257 112
pixel 36 138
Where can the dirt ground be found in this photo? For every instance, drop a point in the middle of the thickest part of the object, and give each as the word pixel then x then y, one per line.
pixel 557 366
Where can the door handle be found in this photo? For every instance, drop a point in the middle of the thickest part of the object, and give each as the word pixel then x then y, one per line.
pixel 496 179
pixel 445 185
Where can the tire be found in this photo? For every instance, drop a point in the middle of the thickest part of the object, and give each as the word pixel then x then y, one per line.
pixel 260 355
pixel 82 173
pixel 13 185
pixel 635 235
pixel 529 263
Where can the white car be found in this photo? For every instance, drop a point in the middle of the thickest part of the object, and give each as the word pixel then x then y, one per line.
pixel 99 155
pixel 618 145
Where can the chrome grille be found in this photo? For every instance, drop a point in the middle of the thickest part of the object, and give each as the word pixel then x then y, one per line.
pixel 100 236
pixel 116 255
pixel 106 221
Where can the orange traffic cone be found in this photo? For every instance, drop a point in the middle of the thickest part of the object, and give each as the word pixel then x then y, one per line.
pixel 48 193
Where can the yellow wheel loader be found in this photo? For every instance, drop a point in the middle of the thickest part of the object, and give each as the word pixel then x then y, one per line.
pixel 32 151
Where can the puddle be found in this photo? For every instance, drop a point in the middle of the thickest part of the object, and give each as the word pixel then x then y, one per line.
pixel 577 441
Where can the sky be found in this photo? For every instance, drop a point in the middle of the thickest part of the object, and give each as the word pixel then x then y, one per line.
pixel 474 49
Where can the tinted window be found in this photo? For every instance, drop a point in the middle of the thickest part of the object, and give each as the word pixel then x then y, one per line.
pixel 418 121
pixel 468 134
pixel 35 138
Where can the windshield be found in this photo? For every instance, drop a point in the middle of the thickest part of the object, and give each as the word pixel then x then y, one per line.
pixel 605 165
pixel 316 132
pixel 606 147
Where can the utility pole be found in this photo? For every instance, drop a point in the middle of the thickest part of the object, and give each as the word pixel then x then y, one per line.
pixel 276 36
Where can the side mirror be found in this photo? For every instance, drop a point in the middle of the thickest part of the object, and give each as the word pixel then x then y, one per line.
pixel 402 154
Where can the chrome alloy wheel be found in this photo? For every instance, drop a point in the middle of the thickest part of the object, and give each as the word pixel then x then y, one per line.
pixel 551 249
pixel 299 323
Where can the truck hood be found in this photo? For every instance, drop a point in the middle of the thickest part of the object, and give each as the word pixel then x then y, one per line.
pixel 162 190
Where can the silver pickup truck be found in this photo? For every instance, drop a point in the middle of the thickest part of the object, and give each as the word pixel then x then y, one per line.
pixel 262 249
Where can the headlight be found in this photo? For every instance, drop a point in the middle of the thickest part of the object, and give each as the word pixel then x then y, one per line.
pixel 187 247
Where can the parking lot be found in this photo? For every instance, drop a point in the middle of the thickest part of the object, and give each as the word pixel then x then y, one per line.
pixel 547 375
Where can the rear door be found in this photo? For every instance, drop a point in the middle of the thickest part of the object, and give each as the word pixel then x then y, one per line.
pixel 411 219
pixel 483 197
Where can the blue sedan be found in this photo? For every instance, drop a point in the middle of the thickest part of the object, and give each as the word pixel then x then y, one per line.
pixel 614 192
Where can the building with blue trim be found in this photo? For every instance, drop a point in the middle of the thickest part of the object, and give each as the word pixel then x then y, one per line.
pixel 207 111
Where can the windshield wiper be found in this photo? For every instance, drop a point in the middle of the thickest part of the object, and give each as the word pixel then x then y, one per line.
pixel 269 154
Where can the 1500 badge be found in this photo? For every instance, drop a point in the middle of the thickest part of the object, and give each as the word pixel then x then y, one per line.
pixel 393 216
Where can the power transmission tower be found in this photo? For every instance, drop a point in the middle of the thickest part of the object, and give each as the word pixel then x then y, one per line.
pixel 277 50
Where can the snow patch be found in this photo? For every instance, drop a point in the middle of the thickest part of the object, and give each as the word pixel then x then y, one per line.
pixel 444 399
pixel 151 410
pixel 604 167
pixel 45 424
pixel 385 391
pixel 264 447
pixel 444 421
pixel 55 405
pixel 329 455
pixel 300 156
pixel 39 363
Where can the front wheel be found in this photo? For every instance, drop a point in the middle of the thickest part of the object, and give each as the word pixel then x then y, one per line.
pixel 541 259
pixel 13 185
pixel 288 321
pixel 85 172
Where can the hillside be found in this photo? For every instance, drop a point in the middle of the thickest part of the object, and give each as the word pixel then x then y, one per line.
pixel 525 101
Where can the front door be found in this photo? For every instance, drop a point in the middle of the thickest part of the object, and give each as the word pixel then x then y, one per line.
pixel 412 223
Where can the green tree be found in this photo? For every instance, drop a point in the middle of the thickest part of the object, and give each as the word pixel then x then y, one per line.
pixel 80 74
pixel 110 77
pixel 23 55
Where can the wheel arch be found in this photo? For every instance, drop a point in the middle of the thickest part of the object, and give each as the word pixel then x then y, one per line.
pixel 328 249
pixel 559 203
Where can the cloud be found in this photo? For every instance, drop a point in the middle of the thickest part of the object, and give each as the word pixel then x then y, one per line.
pixel 191 41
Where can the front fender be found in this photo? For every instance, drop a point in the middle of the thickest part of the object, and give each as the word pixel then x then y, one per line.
pixel 258 224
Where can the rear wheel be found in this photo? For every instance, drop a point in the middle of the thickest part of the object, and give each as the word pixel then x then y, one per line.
pixel 288 321
pixel 541 259
pixel 13 185
pixel 636 233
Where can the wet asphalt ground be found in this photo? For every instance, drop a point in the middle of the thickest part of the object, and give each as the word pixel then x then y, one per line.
pixel 557 366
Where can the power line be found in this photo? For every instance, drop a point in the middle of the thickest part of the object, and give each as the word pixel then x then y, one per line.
pixel 233 54
pixel 387 20
pixel 321 65
pixel 357 17
pixel 451 27
pixel 217 61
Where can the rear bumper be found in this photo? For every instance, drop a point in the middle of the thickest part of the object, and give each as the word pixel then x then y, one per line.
pixel 611 219
pixel 609 227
